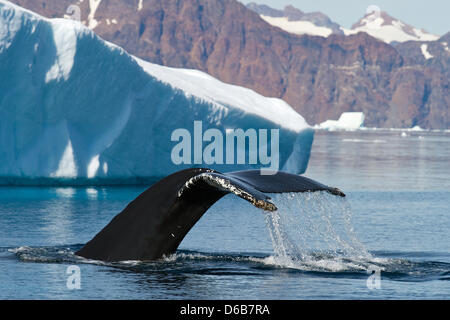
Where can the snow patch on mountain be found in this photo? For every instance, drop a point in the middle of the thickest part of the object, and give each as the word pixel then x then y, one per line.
pixel 376 23
pixel 296 21
pixel 426 54
pixel 298 27
pixel 388 29
pixel 93 5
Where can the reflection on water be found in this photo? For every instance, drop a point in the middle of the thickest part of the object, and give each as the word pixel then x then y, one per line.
pixel 57 221
pixel 58 216
pixel 381 160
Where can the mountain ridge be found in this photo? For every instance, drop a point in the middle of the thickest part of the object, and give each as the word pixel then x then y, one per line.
pixel 293 14
pixel 383 26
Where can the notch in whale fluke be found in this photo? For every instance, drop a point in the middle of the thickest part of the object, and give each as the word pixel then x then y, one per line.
pixel 155 223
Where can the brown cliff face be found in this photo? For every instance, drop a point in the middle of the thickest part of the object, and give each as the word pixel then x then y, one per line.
pixel 433 109
pixel 319 77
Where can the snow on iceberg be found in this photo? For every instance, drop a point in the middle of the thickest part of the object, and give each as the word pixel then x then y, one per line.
pixel 75 106
pixel 347 121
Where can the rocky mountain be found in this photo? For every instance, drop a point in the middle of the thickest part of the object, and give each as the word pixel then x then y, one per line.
pixel 296 21
pixel 380 25
pixel 430 53
pixel 429 62
pixel 321 77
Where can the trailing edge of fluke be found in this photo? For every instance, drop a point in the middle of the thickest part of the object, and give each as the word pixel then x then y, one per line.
pixel 154 224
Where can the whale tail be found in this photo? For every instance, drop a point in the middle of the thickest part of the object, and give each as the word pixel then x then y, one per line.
pixel 155 223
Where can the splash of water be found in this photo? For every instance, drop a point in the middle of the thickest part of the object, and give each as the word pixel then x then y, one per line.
pixel 313 230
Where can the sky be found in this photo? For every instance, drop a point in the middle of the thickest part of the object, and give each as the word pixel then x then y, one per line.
pixel 431 15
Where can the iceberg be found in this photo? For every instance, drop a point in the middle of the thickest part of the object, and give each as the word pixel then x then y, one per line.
pixel 417 128
pixel 347 121
pixel 73 106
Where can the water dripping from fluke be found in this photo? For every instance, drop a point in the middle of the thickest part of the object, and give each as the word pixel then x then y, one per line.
pixel 313 232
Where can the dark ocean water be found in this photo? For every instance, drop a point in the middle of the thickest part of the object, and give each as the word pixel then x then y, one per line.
pixel 388 239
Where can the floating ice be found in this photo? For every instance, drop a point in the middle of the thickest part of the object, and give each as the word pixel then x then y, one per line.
pixel 347 121
pixel 75 106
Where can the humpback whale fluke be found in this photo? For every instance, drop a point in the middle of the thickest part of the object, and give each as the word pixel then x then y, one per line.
pixel 155 223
